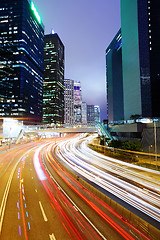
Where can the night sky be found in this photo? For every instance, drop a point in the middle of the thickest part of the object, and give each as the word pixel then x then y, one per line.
pixel 86 28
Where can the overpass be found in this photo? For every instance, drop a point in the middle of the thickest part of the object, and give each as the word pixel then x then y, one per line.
pixel 74 129
pixel 15 130
pixel 83 128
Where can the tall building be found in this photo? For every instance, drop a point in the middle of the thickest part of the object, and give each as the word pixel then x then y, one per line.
pixel 69 101
pixel 84 112
pixel 93 114
pixel 140 28
pixel 21 63
pixel 77 103
pixel 53 85
pixel 97 114
pixel 114 78
pixel 133 80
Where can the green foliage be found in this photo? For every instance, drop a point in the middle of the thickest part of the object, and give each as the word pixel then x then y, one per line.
pixel 115 143
pixel 133 146
pixel 135 116
pixel 102 140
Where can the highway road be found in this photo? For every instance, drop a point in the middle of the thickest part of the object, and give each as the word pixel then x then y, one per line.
pixel 26 211
pixel 137 186
pixel 40 200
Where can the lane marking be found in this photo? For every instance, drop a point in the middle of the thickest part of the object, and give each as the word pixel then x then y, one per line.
pixel 29 226
pixel 19 230
pixel 52 237
pixel 5 195
pixel 81 212
pixel 6 191
pixel 43 213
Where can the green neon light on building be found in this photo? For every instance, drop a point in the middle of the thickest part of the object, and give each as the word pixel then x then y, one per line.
pixel 36 12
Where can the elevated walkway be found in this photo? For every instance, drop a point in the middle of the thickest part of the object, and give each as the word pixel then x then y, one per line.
pixel 102 130
pixel 68 129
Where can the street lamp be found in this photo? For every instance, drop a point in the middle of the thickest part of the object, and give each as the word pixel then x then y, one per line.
pixel 150 146
pixel 155 141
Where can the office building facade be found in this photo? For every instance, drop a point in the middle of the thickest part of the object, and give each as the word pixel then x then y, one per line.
pixel 77 103
pixel 21 69
pixel 53 85
pixel 93 114
pixel 97 111
pixel 69 101
pixel 134 81
pixel 140 28
pixel 84 112
pixel 114 78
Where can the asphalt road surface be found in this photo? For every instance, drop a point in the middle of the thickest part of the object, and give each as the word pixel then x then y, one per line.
pixel 40 200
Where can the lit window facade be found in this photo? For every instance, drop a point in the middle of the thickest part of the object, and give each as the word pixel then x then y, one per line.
pixel 77 103
pixel 84 112
pixel 53 85
pixel 140 27
pixel 69 102
pixel 93 114
pixel 21 69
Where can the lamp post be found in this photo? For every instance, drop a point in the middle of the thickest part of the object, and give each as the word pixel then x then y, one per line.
pixel 155 142
pixel 150 146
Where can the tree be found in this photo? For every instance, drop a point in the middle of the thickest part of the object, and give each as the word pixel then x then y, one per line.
pixel 133 146
pixel 115 143
pixel 135 117
pixel 102 140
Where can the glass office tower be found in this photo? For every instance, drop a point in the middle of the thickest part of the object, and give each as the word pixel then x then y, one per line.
pixel 97 114
pixel 84 112
pixel 93 114
pixel 69 102
pixel 53 88
pixel 140 28
pixel 22 38
pixel 77 103
pixel 115 110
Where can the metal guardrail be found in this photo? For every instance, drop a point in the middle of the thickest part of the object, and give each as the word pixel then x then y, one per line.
pixel 144 159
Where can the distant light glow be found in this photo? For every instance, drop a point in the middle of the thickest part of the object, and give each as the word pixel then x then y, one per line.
pixel 52 31
pixel 35 12
pixel 146 120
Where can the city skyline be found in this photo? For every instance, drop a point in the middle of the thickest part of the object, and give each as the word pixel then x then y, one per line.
pixel 86 29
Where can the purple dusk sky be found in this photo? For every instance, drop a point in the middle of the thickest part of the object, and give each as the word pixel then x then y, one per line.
pixel 86 28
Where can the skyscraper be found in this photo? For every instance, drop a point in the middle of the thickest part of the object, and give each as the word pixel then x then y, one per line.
pixel 114 84
pixel 93 114
pixel 140 28
pixel 84 112
pixel 69 101
pixel 97 114
pixel 134 81
pixel 77 103
pixel 22 38
pixel 53 88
